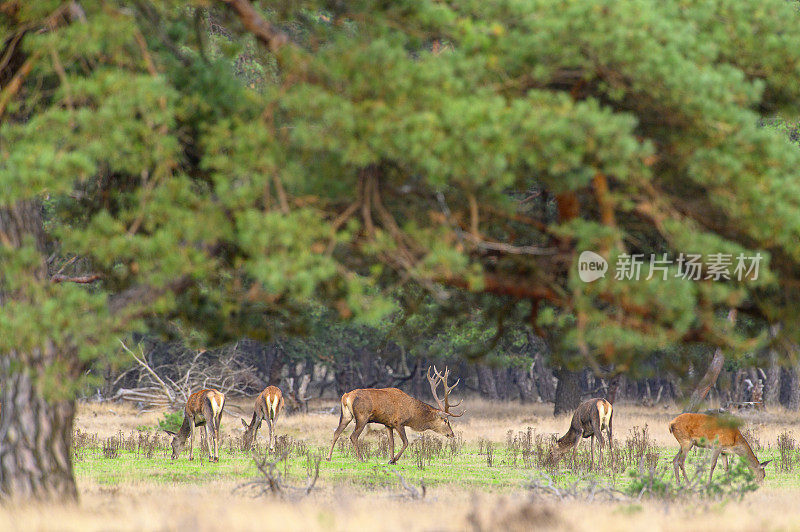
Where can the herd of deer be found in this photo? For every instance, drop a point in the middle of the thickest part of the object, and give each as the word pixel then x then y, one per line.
pixel 397 410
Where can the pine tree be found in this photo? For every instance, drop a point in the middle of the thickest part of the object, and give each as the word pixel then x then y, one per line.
pixel 225 169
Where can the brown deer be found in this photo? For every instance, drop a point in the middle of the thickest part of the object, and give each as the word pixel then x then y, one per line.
pixel 396 410
pixel 589 420
pixel 203 408
pixel 719 433
pixel 269 404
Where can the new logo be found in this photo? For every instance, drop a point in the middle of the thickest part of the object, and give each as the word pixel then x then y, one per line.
pixel 591 266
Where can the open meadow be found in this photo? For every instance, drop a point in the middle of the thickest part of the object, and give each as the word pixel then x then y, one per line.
pixel 493 475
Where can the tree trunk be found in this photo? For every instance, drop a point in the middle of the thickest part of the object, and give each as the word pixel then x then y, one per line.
pixel 527 386
pixel 707 382
pixel 613 388
pixel 568 392
pixel 486 383
pixel 35 442
pixel 35 427
pixel 710 378
pixel 793 380
pixel 793 396
pixel 772 388
pixel 419 383
pixel 544 379
pixel 501 383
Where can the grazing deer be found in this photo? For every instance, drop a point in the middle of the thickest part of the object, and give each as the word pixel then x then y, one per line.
pixel 589 420
pixel 396 410
pixel 203 408
pixel 719 433
pixel 269 404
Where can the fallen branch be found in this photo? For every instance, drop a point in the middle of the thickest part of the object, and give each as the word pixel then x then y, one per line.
pixel 164 387
pixel 584 488
pixel 271 483
pixel 413 492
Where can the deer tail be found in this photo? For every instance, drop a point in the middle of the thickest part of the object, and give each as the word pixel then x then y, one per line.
pixel 272 407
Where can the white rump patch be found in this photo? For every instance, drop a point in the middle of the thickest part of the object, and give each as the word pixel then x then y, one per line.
pixel 347 407
pixel 605 415
pixel 273 407
pixel 214 406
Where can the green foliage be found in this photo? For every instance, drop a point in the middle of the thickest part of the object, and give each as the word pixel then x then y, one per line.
pixel 658 483
pixel 224 189
pixel 172 421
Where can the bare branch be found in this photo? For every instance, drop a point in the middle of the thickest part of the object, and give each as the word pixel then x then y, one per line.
pixel 167 391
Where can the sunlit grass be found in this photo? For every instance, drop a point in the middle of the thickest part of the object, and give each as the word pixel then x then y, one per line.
pixel 467 469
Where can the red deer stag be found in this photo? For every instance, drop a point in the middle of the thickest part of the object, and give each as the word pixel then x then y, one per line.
pixel 396 410
pixel 203 408
pixel 589 420
pixel 269 404
pixel 719 433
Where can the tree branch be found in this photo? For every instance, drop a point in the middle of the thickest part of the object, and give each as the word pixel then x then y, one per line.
pixel 270 35
pixel 85 279
pixel 519 288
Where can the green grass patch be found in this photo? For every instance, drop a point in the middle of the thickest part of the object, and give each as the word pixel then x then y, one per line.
pixel 145 457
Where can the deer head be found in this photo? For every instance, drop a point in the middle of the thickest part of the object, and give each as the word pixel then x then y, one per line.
pixel 760 473
pixel 250 431
pixel 177 444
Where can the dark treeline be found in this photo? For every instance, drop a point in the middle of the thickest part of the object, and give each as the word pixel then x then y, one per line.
pixel 305 370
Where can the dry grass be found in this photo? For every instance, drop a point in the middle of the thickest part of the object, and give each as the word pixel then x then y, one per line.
pixel 212 505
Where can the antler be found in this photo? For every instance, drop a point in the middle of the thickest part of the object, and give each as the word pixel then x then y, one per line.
pixel 434 382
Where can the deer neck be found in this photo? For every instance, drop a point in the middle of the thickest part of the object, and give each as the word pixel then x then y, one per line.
pixel 252 428
pixel 568 440
pixel 743 449
pixel 426 415
pixel 186 427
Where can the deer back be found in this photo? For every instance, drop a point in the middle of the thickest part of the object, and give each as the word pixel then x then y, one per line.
pixel 709 428
pixel 591 415
pixel 388 406
pixel 196 402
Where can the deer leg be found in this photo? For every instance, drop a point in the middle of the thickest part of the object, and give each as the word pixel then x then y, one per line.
pixel 602 444
pixel 592 464
pixel 714 462
pixel 391 443
pixel 216 436
pixel 191 440
pixel 271 434
pixel 219 434
pixel 210 439
pixel 360 424
pixel 685 451
pixel 344 420
pixel 677 462
pixel 727 464
pixel 401 430
pixel 274 428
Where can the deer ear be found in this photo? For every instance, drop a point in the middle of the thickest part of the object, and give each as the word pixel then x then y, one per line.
pixel 764 464
pixel 243 422
pixel 170 433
